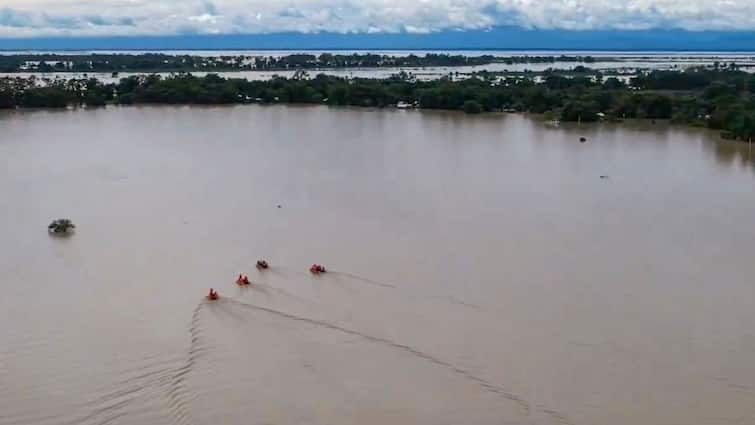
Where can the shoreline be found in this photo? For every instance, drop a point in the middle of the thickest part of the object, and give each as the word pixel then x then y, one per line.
pixel 720 99
pixel 636 124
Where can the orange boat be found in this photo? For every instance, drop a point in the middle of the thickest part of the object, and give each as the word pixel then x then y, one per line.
pixel 317 269
pixel 213 295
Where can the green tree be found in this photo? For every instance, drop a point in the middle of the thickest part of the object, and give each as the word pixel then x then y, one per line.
pixel 472 107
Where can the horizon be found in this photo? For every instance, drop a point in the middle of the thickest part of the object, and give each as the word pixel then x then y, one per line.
pixel 496 39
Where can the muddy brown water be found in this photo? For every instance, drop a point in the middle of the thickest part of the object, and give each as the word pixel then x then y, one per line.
pixel 481 271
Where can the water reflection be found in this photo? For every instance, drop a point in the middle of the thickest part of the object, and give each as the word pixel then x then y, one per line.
pixel 734 153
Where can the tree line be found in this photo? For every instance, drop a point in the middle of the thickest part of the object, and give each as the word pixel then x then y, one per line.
pixel 721 99
pixel 156 62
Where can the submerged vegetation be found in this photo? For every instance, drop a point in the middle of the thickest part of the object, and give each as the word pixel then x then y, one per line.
pixel 721 98
pixel 61 226
pixel 154 62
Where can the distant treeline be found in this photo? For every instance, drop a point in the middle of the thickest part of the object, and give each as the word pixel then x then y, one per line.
pixel 187 63
pixel 720 99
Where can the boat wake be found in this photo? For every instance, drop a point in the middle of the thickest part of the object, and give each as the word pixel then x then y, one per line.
pixel 488 386
pixel 151 381
pixel 171 382
pixel 266 287
pixel 179 394
pixel 445 298
pixel 365 280
pixel 167 380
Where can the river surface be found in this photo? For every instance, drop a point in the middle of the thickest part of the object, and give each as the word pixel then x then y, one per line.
pixel 480 270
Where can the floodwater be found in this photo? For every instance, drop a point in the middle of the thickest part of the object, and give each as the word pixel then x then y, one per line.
pixel 480 270
pixel 625 64
pixel 625 67
pixel 726 56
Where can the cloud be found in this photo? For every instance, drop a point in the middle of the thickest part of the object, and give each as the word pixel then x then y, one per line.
pixel 210 8
pixel 63 22
pixel 158 17
pixel 100 20
pixel 14 19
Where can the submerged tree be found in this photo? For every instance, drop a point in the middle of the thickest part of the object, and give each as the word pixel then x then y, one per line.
pixel 61 225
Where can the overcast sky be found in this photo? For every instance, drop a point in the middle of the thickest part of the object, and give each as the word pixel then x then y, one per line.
pixel 22 18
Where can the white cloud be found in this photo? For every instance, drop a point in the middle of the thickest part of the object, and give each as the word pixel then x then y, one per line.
pixel 19 18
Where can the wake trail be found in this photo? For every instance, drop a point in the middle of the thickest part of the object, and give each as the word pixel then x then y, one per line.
pixel 487 386
pixel 373 282
pixel 279 290
pixel 557 416
pixel 112 405
pixel 560 418
pixel 178 391
pixel 366 280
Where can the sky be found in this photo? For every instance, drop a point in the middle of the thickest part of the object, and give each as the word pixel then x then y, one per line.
pixel 99 18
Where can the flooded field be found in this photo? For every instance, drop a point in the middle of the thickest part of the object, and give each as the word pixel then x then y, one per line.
pixel 482 270
pixel 624 64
